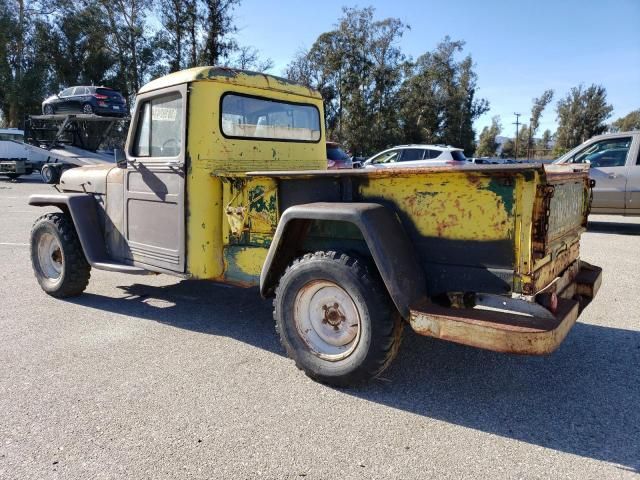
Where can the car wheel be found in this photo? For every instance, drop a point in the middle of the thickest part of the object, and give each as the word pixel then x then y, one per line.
pixel 57 258
pixel 48 110
pixel 49 174
pixel 335 319
pixel 87 108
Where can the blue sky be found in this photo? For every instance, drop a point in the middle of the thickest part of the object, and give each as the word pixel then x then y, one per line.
pixel 520 47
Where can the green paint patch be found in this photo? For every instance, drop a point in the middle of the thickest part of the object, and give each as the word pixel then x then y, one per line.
pixel 504 192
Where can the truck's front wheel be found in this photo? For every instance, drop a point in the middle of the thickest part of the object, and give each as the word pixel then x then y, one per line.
pixel 57 258
pixel 335 319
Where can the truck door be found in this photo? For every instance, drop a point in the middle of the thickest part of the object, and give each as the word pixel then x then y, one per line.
pixel 633 180
pixel 154 183
pixel 608 160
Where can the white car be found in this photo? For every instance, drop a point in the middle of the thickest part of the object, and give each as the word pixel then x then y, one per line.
pixel 417 156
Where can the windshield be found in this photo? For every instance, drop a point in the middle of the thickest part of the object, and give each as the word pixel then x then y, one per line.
pixel 336 154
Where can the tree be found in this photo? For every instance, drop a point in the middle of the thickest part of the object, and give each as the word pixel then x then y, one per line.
pixel 629 122
pixel 135 52
pixel 217 24
pixel 175 16
pixel 581 115
pixel 487 143
pixel 539 104
pixel 358 69
pixel 248 58
pixel 76 44
pixel 23 66
pixel 438 98
pixel 508 149
pixel 544 144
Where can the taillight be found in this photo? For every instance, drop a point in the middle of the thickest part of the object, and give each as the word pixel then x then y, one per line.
pixel 100 97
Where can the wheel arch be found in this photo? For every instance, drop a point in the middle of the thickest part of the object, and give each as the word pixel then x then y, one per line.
pixel 81 207
pixel 391 251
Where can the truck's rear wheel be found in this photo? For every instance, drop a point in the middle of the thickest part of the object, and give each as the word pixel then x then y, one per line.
pixel 335 319
pixel 57 258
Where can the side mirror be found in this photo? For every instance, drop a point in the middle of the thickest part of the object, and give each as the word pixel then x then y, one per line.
pixel 120 157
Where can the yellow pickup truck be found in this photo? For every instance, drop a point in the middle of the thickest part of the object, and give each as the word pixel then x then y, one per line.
pixel 226 179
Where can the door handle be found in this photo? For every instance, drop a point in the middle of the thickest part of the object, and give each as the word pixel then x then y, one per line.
pixel 613 175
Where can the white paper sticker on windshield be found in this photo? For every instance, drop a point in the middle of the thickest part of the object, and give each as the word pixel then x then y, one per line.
pixel 164 114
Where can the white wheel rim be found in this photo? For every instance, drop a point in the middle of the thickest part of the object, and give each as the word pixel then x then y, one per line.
pixel 87 109
pixel 50 256
pixel 327 320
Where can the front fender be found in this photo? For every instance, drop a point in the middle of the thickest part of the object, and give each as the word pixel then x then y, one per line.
pixel 82 208
pixel 390 248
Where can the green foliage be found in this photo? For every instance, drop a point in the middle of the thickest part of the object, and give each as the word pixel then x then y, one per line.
pixel 543 145
pixel 629 122
pixel 358 69
pixel 539 104
pixel 47 45
pixel 438 98
pixel 374 97
pixel 487 144
pixel 581 115
pixel 508 149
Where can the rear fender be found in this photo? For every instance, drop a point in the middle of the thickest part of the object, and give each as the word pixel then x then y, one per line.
pixel 389 245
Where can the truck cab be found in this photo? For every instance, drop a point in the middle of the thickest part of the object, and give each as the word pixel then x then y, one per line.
pixel 225 179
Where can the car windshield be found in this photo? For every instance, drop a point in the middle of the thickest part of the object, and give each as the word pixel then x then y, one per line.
pixel 458 155
pixel 336 154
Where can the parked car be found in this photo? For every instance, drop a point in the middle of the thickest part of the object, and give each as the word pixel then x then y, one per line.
pixel 88 100
pixel 417 156
pixel 614 160
pixel 337 158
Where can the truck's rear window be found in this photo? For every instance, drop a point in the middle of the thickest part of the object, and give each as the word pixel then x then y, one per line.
pixel 263 118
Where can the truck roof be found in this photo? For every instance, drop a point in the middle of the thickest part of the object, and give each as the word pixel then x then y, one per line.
pixel 231 76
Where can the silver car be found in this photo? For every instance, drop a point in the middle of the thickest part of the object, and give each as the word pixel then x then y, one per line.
pixel 417 156
pixel 614 160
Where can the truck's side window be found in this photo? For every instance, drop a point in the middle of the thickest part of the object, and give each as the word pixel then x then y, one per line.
pixel 252 117
pixel 606 153
pixel 159 129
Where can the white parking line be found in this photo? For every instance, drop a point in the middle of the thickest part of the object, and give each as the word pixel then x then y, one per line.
pixel 10 244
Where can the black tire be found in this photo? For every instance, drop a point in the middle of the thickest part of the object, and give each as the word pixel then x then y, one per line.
pixel 74 270
pixel 50 174
pixel 380 326
pixel 87 109
pixel 48 110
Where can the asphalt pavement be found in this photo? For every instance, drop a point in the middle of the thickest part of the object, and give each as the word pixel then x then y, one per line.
pixel 159 378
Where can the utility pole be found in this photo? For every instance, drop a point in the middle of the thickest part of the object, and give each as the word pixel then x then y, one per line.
pixel 517 124
pixel 529 142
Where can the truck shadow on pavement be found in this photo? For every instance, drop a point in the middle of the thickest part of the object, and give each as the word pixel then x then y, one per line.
pixel 584 399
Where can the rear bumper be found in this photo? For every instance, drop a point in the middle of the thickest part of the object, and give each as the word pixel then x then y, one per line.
pixel 513 332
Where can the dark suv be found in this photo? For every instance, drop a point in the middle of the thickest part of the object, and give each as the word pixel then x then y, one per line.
pixel 89 100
